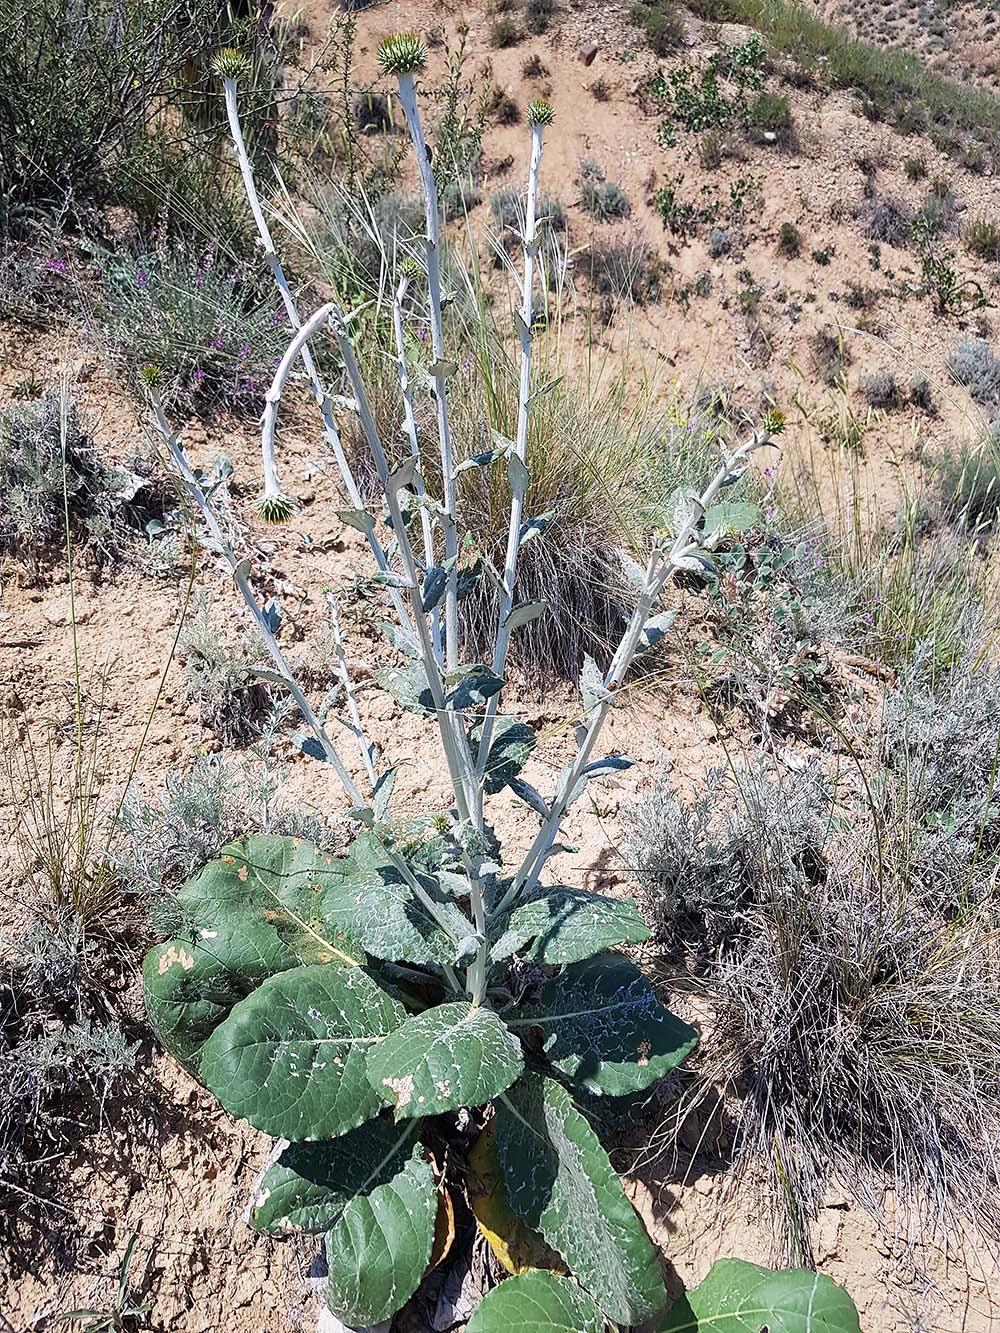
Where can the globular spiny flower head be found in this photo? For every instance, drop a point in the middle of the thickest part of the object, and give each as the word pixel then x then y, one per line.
pixel 230 64
pixel 402 53
pixel 773 421
pixel 539 113
pixel 151 376
pixel 276 508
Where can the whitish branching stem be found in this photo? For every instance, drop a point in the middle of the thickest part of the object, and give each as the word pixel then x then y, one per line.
pixel 663 564
pixel 239 572
pixel 440 368
pixel 518 491
pixel 333 606
pixel 410 431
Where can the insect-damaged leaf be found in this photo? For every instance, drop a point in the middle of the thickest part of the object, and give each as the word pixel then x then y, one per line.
pixel 290 1058
pixel 449 1056
pixel 738 1297
pixel 537 1303
pixel 565 925
pixel 603 1026
pixel 561 1183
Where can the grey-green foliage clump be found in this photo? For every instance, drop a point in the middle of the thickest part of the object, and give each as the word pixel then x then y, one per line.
pixel 854 1004
pixel 48 464
pixel 161 841
pixel 220 681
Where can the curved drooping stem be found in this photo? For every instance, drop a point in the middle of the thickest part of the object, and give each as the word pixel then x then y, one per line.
pixel 519 479
pixel 440 369
pixel 274 503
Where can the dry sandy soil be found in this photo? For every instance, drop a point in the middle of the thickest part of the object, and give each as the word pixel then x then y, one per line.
pixel 182 1184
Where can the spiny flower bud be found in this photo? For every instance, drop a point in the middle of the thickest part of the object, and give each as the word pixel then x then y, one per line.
pixel 402 53
pixel 275 508
pixel 150 375
pixel 230 64
pixel 539 113
pixel 773 421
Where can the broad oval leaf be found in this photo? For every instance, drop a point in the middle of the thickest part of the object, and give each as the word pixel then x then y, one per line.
pixel 449 1056
pixel 511 744
pixel 738 1297
pixel 385 915
pixel 310 1185
pixel 564 925
pixel 280 884
pixel 290 1058
pixel 602 1025
pixel 537 1303
pixel 561 1183
pixel 378 1251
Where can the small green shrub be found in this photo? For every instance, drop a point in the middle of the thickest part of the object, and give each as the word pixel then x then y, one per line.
pixel 831 355
pixel 662 24
pixel 886 219
pixel 770 120
pixel 604 200
pixel 538 15
pixel 209 328
pixel 982 238
pixel 915 168
pixel 220 681
pixel 974 365
pixel 789 240
pixel 48 463
pixel 504 32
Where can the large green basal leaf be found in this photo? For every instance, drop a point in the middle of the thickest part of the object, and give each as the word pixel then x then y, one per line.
pixel 603 1026
pixel 311 1184
pixel 738 1297
pixel 385 915
pixel 560 1182
pixel 374 1195
pixel 449 1056
pixel 537 1303
pixel 565 925
pixel 378 1251
pixel 290 1058
pixel 190 985
pixel 280 884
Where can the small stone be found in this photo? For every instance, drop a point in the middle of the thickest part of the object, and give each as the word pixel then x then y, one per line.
pixel 588 52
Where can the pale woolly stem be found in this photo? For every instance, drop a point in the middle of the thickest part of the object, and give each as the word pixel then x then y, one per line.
pixel 343 672
pixel 439 367
pixel 238 568
pixel 330 432
pixel 530 243
pixel 662 565
pixel 410 431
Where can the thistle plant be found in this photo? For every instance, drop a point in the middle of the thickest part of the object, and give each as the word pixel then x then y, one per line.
pixel 421 998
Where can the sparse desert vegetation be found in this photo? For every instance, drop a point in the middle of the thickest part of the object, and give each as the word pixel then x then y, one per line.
pixel 499 537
